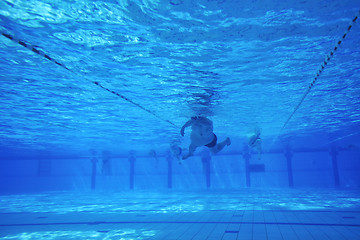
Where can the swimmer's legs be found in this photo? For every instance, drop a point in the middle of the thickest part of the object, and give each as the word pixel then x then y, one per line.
pixel 221 145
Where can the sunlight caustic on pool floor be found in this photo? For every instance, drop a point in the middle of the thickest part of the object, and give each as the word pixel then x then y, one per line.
pixel 240 214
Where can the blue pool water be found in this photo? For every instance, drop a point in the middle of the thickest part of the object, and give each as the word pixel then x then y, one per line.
pixel 93 94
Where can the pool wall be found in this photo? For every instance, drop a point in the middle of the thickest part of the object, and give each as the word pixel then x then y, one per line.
pixel 323 168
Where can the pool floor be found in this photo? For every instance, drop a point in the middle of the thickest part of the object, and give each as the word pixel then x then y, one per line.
pixel 236 214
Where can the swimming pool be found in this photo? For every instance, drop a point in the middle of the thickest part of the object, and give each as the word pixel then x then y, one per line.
pixel 94 94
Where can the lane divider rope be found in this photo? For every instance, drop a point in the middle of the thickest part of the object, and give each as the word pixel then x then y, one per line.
pixel 43 54
pixel 317 75
pixel 321 69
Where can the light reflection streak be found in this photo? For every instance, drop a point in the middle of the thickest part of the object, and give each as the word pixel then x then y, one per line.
pixel 171 202
pixel 123 234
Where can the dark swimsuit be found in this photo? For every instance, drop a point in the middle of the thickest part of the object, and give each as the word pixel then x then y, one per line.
pixel 213 142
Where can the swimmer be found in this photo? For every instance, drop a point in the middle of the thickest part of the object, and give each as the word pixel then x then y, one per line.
pixel 255 141
pixel 153 154
pixel 202 135
pixel 176 152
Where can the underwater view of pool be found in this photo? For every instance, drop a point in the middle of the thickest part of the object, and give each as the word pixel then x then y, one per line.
pixel 179 119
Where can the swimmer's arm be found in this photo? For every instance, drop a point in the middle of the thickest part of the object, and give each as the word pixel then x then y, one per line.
pixel 187 124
